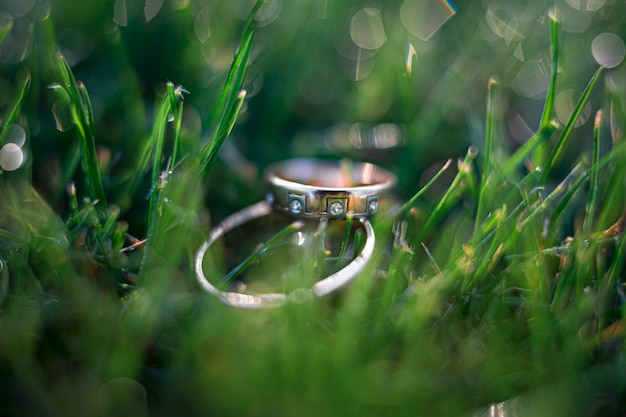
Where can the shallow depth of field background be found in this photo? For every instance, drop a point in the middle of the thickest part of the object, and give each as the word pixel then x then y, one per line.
pixel 323 74
pixel 403 84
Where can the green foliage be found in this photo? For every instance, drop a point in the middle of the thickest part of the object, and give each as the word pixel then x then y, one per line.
pixel 500 279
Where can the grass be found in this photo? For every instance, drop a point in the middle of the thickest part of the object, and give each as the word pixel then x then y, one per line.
pixel 498 278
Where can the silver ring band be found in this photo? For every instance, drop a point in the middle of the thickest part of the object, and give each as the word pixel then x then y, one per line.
pixel 317 188
pixel 321 288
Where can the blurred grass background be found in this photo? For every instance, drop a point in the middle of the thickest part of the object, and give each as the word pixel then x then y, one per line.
pixel 87 330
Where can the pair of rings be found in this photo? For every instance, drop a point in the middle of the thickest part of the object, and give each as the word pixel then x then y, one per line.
pixel 308 189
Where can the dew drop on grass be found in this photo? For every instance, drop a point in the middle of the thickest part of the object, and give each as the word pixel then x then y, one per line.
pixel 608 50
pixel 11 157
pixel 367 30
pixel 424 18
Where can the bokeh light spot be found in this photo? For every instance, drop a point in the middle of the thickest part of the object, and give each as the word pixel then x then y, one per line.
pixel 503 26
pixel 120 15
pixel 17 135
pixel 122 396
pixel 17 8
pixel 180 4
pixel 6 23
pixel 201 25
pixel 152 8
pixel 532 79
pixel 269 11
pixel 42 11
pixel 410 55
pixel 424 18
pixel 381 136
pixel 608 50
pixel 11 157
pixel 573 21
pixel 519 53
pixel 564 106
pixel 586 5
pixel 367 30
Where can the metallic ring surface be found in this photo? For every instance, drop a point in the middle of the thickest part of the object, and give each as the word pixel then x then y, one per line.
pixel 321 288
pixel 315 188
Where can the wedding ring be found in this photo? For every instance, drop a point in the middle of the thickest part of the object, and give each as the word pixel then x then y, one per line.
pixel 321 288
pixel 316 188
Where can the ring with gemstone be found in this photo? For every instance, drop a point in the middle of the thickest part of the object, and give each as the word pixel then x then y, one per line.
pixel 310 189
pixel 318 188
pixel 321 288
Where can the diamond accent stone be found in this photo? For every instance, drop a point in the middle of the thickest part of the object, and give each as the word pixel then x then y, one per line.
pixel 336 209
pixel 295 206
pixel 373 206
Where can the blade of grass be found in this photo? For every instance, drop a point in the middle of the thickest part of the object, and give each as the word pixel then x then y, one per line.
pixel 570 125
pixel 258 252
pixel 341 261
pixel 176 96
pixel 75 95
pixel 548 108
pixel 237 70
pixel 217 142
pixel 232 96
pixel 527 148
pixel 559 190
pixel 590 209
pixel 486 171
pixel 6 28
pixel 406 206
pixel 10 119
pixel 160 178
pixel 465 166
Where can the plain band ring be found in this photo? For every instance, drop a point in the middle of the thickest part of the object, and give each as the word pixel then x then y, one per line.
pixel 316 188
pixel 321 288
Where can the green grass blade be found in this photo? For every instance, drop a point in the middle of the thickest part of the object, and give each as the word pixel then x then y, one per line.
pixel 82 117
pixel 406 206
pixel 486 171
pixel 5 28
pixel 254 256
pixel 176 99
pixel 558 191
pixel 465 166
pixel 10 119
pixel 548 108
pixel 89 153
pixel 231 99
pixel 172 101
pixel 341 262
pixel 237 70
pixel 570 125
pixel 516 160
pixel 217 141
pixel 592 203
